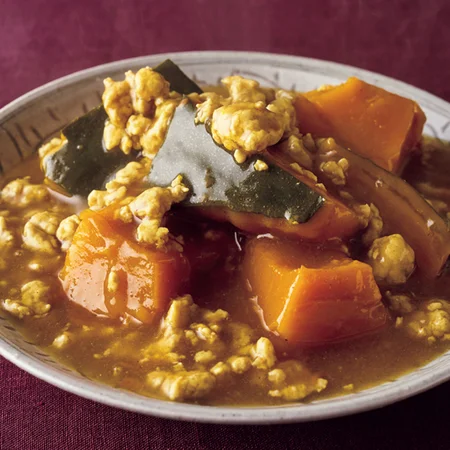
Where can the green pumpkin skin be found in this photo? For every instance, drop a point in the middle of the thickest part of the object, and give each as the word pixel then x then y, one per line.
pixel 215 179
pixel 83 164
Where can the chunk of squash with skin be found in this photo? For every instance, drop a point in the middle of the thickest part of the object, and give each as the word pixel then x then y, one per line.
pixel 372 122
pixel 403 209
pixel 144 280
pixel 273 200
pixel 311 295
pixel 82 164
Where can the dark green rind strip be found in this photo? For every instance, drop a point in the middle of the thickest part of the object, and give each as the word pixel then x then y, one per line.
pixel 178 80
pixel 83 164
pixel 215 179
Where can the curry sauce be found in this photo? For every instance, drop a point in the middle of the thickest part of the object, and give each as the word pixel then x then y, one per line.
pixel 348 367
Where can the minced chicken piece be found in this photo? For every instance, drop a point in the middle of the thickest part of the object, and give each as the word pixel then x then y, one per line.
pixel 240 364
pixel 32 302
pixel 260 165
pixel 167 348
pixel 241 336
pixel 344 164
pixel 16 308
pixel 179 312
pixel 178 334
pixel 263 354
pixel 151 206
pixel 205 333
pixel 431 321
pixel 248 127
pixel 114 136
pixel 250 119
pixel 364 212
pixel 6 236
pixel 117 189
pixel 22 194
pixel 146 86
pixel 100 199
pixel 334 171
pixel 51 147
pixel 309 143
pixel 117 101
pixel 276 376
pixel 295 146
pixel 209 102
pixel 374 227
pixel 39 232
pixel 62 341
pixel 180 386
pixel 296 383
pixel 46 221
pixel 243 89
pixel 283 106
pixel 66 231
pixel 307 173
pixel 133 172
pixel 137 125
pixel 439 322
pixel 124 213
pixel 151 232
pixel 191 337
pixel 392 259
pixel 34 295
pixel 139 109
pixel 155 202
pixel 214 317
pixel 220 369
pixel 293 392
pixel 153 138
pixel 240 90
pixel 204 357
pixel 239 156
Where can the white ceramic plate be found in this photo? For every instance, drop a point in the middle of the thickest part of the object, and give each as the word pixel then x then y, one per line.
pixel 34 117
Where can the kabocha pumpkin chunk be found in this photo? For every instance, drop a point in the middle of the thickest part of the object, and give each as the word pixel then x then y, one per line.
pixel 372 122
pixel 82 163
pixel 272 200
pixel 403 209
pixel 109 274
pixel 310 295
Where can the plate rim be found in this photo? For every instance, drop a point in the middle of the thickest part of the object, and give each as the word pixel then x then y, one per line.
pixel 329 408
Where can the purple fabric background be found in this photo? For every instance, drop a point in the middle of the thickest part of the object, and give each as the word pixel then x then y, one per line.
pixel 41 40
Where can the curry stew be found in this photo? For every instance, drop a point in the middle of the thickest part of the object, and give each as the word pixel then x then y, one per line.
pixel 239 246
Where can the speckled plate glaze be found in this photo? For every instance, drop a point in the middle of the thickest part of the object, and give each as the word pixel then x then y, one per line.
pixel 34 117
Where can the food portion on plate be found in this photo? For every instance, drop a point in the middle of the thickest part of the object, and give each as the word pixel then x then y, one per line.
pixel 240 245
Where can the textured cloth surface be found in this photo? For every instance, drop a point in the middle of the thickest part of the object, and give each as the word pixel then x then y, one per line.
pixel 44 39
